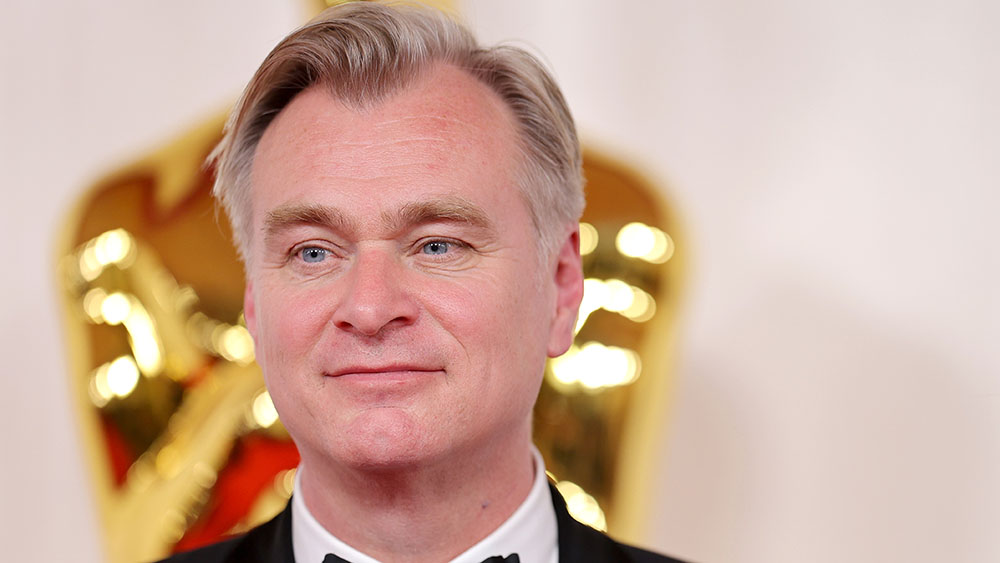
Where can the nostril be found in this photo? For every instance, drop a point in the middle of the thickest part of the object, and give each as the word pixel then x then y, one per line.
pixel 373 328
pixel 369 318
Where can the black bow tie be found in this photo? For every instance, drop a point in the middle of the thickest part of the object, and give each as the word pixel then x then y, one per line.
pixel 512 558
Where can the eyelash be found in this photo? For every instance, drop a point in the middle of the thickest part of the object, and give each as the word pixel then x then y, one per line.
pixel 322 251
pixel 298 252
pixel 452 245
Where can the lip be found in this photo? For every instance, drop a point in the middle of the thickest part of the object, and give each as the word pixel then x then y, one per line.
pixel 383 373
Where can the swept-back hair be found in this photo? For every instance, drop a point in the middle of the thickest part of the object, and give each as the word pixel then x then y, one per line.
pixel 363 52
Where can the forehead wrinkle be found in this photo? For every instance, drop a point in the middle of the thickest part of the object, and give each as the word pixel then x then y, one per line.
pixel 288 215
pixel 447 208
pixel 365 144
pixel 442 120
pixel 405 140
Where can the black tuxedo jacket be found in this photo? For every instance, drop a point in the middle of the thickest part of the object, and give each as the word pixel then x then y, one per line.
pixel 272 543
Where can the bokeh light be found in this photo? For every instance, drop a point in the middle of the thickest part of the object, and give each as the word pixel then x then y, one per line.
pixel 122 375
pixel 595 366
pixel 115 308
pixel 582 506
pixel 638 240
pixel 616 296
pixel 588 238
pixel 264 413
pixel 236 344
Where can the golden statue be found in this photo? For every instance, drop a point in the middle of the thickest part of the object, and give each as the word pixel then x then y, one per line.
pixel 185 446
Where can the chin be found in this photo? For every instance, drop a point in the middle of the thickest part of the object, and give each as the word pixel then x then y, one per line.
pixel 386 440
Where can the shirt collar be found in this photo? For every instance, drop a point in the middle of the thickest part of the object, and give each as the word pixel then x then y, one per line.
pixel 531 530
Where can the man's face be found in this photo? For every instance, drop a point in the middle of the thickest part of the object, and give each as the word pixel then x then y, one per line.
pixel 397 299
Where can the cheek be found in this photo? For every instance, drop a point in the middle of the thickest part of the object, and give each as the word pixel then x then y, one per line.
pixel 288 324
pixel 475 308
pixel 499 322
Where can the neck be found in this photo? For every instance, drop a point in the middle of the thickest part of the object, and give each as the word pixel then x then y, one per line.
pixel 430 512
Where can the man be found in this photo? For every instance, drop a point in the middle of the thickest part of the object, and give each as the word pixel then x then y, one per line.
pixel 406 205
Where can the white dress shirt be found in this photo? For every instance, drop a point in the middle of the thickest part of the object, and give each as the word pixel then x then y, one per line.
pixel 531 531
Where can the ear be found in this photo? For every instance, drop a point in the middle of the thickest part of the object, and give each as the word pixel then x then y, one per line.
pixel 569 293
pixel 250 310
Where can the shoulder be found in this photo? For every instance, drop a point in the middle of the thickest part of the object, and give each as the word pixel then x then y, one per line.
pixel 217 552
pixel 268 543
pixel 584 543
pixel 579 542
pixel 642 556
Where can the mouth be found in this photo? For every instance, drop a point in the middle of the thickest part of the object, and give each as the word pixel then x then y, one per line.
pixel 386 372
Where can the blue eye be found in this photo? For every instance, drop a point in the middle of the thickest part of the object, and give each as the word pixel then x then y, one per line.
pixel 313 255
pixel 436 247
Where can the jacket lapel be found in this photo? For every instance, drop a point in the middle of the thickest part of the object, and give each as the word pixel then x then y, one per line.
pixel 579 542
pixel 268 543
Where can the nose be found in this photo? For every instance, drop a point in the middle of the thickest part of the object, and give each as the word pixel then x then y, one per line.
pixel 374 295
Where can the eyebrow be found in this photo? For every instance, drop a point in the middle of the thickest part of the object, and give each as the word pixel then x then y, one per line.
pixel 288 215
pixel 442 209
pixel 447 208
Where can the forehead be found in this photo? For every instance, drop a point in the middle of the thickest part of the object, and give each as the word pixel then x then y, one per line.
pixel 445 126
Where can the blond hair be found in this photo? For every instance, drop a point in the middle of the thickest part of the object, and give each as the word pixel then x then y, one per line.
pixel 365 51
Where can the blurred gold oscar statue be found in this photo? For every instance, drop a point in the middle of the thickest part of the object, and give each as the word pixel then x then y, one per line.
pixel 184 444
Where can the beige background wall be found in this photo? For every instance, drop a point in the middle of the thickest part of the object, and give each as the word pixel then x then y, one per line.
pixel 838 384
